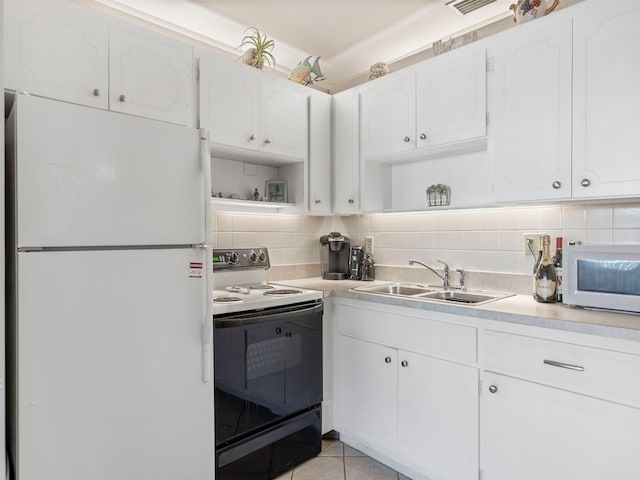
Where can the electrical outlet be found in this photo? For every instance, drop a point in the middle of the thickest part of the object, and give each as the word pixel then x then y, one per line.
pixel 532 239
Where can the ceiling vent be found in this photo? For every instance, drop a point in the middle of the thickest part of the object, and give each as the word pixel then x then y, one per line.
pixel 467 6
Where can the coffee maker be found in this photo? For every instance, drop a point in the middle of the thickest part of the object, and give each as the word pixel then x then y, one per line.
pixel 335 252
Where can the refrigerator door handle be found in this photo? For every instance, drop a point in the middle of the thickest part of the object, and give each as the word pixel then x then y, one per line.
pixel 205 161
pixel 207 326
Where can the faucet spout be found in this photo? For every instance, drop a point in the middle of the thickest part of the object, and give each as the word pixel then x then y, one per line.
pixel 444 278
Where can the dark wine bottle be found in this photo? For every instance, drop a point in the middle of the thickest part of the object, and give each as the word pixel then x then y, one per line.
pixel 557 262
pixel 545 278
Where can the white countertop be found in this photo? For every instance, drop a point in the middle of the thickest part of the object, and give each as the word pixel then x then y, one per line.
pixel 521 309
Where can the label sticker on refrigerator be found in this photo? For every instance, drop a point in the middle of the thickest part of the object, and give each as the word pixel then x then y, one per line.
pixel 195 270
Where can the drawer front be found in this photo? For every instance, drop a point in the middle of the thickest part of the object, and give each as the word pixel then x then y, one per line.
pixel 421 335
pixel 603 373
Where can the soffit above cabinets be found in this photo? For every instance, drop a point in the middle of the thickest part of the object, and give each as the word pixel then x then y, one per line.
pixel 349 35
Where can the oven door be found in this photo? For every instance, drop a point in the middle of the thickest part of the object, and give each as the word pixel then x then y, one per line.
pixel 268 366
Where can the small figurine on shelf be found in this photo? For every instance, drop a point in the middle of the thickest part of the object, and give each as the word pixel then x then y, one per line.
pixel 256 194
pixel 305 73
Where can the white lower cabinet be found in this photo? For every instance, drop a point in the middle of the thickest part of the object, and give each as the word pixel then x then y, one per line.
pixel 557 409
pixel 402 405
pixel 367 386
pixel 532 431
pixel 438 416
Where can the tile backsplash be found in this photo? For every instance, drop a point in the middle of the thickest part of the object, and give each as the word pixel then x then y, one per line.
pixel 485 240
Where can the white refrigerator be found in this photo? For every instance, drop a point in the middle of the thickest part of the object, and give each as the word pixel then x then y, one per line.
pixel 109 327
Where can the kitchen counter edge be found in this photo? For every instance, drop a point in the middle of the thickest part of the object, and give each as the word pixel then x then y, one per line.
pixel 518 309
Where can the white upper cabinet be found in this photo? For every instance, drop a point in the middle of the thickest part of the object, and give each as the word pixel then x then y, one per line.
pixel 56 50
pixel 346 153
pixel 229 102
pixel 250 114
pixel 149 75
pixel 388 116
pixel 64 51
pixel 319 153
pixel 530 88
pixel 435 109
pixel 606 99
pixel 284 125
pixel 451 98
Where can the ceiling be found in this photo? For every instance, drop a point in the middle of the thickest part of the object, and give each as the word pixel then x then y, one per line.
pixel 348 35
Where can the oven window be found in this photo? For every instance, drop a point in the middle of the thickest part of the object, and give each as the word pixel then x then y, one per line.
pixel 265 371
pixel 620 277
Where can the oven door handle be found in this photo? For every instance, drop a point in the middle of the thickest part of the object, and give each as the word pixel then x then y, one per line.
pixel 258 317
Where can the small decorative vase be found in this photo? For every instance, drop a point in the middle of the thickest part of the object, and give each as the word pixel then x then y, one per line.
pixel 526 10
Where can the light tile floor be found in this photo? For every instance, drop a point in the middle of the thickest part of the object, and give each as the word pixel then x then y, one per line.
pixel 338 461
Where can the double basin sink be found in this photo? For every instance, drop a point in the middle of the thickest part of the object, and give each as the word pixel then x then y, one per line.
pixel 436 294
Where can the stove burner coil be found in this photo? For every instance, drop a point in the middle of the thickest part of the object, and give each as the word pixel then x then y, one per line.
pixel 282 291
pixel 226 299
pixel 261 286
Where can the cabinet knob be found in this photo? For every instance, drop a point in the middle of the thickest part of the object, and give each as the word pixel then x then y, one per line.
pixel 387 359
pixel 493 388
pixel 252 137
pixel 556 185
pixel 407 139
pixel 404 363
pixel 351 201
pixel 278 330
pixel 122 98
pixel 585 182
pixel 318 202
pixel 423 136
pixel 96 92
pixel 267 141
pixel 288 334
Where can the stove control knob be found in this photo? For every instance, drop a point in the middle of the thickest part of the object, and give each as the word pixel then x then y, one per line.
pixel 233 258
pixel 253 257
pixel 262 256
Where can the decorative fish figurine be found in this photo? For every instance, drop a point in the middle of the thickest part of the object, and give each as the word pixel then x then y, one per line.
pixel 305 73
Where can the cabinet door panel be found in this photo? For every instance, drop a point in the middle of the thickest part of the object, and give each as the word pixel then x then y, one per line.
pixel 319 153
pixel 346 153
pixel 606 100
pixel 284 120
pixel 367 392
pixel 451 98
pixel 388 117
pixel 438 416
pixel 229 103
pixel 56 50
pixel 531 112
pixel 149 76
pixel 531 431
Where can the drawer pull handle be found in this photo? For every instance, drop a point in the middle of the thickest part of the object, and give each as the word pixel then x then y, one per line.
pixel 568 366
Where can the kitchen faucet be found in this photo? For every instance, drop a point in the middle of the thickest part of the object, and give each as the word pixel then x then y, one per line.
pixel 445 277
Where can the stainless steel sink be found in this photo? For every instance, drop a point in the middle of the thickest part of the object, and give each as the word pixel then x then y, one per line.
pixel 462 296
pixel 434 294
pixel 401 289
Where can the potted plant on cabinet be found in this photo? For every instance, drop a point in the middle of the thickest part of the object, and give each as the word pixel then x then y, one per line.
pixel 259 53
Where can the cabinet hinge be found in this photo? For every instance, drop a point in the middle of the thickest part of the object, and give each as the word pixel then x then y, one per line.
pixel 479 387
pixel 489 64
pixel 480 475
pixel 488 119
pixel 197 72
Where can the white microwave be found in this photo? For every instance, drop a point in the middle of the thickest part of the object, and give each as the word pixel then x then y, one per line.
pixel 606 276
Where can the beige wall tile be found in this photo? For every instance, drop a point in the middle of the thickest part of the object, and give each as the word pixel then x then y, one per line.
pixel 484 239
